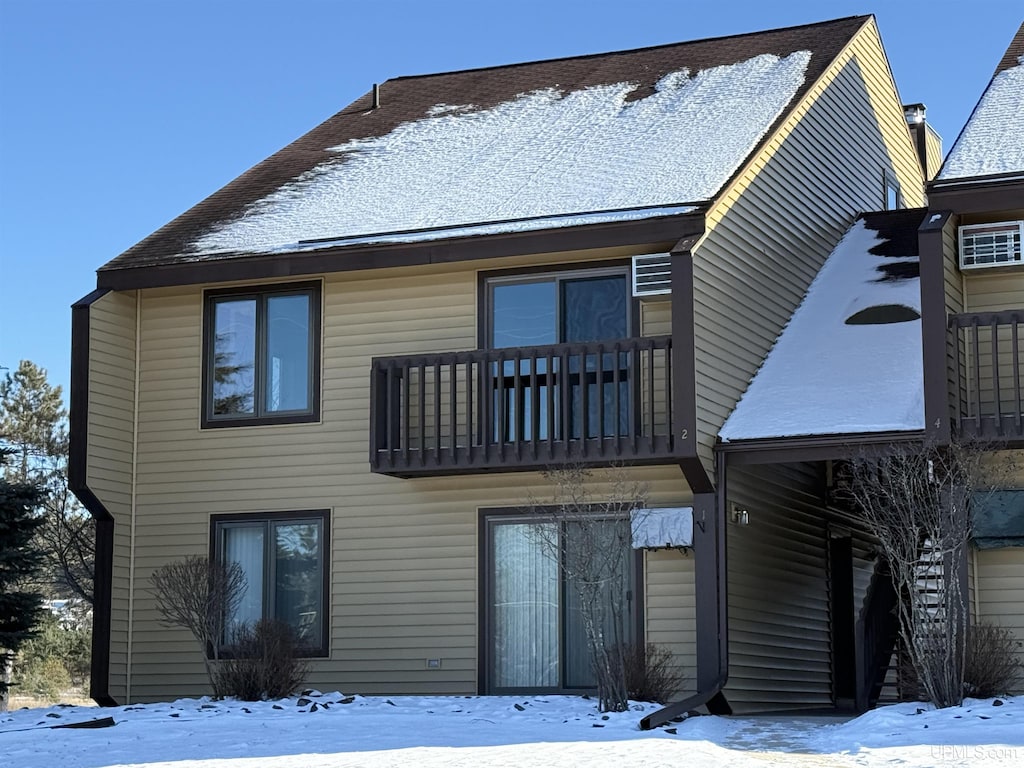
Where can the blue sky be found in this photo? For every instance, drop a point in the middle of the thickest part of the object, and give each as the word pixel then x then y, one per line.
pixel 116 116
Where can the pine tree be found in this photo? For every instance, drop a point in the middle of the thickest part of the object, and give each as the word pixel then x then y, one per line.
pixel 32 418
pixel 20 562
pixel 33 429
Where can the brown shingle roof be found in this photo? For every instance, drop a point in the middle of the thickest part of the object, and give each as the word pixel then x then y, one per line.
pixel 406 99
pixel 1013 52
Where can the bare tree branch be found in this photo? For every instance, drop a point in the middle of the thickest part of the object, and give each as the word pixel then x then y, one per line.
pixel 917 501
pixel 589 536
pixel 200 596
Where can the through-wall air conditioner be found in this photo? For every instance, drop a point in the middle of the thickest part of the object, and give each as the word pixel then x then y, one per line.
pixel 652 275
pixel 997 244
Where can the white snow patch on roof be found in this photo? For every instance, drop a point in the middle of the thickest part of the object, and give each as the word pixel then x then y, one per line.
pixel 545 153
pixel 475 230
pixel 993 140
pixel 826 377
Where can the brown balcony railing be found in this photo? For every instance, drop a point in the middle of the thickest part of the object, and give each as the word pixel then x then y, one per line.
pixel 987 380
pixel 522 408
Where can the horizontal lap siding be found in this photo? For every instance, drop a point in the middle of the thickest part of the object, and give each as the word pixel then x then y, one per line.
pixel 779 642
pixel 771 233
pixel 670 610
pixel 953 287
pixel 404 562
pixel 1000 593
pixel 112 326
pixel 994 291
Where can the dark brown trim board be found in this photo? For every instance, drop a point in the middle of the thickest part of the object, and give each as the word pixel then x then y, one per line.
pixel 934 330
pixel 656 233
pixel 711 610
pixel 684 380
pixel 99 678
pixel 782 450
pixel 981 194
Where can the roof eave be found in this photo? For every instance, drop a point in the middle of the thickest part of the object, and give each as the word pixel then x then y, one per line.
pixel 661 232
pixel 772 450
pixel 978 194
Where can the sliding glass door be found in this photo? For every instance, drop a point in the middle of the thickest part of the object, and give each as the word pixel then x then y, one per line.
pixel 534 626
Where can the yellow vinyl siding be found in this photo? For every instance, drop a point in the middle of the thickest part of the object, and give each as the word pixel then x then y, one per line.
pixel 404 563
pixel 1000 593
pixel 109 463
pixel 779 641
pixel 994 291
pixel 669 609
pixel 771 231
pixel 933 150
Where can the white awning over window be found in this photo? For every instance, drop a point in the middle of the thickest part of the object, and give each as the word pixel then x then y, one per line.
pixel 666 527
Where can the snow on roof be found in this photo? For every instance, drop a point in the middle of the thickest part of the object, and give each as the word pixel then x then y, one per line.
pixel 546 153
pixel 492 228
pixel 662 527
pixel 827 375
pixel 992 142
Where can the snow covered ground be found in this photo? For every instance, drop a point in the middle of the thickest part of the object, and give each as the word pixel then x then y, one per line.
pixel 336 731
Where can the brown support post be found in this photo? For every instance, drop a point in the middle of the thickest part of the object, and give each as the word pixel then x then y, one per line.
pixel 934 327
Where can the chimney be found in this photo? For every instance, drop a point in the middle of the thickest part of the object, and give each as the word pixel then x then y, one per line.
pixel 926 141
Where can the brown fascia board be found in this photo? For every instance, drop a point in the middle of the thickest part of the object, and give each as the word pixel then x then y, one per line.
pixel 78 449
pixel 661 232
pixel 978 194
pixel 812 448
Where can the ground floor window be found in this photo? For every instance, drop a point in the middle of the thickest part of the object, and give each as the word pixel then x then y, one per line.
pixel 283 557
pixel 534 635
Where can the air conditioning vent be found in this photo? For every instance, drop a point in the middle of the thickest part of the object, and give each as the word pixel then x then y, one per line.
pixel 652 275
pixel 991 245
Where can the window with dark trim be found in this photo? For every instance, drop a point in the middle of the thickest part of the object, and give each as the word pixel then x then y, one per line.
pixel 532 633
pixel 284 559
pixel 893 195
pixel 584 305
pixel 261 355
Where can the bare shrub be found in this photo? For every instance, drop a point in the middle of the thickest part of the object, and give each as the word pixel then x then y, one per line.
pixel 652 673
pixel 587 533
pixel 992 666
pixel 916 499
pixel 199 595
pixel 264 662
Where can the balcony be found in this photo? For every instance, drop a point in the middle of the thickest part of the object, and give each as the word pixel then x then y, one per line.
pixel 522 408
pixel 987 374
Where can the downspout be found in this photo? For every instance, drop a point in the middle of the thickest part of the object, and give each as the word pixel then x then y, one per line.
pixel 708 507
pixel 135 460
pixel 78 451
pixel 711 609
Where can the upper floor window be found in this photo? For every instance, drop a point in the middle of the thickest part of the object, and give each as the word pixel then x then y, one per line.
pixel 552 308
pixel 581 394
pixel 893 196
pixel 994 244
pixel 261 360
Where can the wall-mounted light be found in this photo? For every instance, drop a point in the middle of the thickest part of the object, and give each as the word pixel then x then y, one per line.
pixel 739 515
